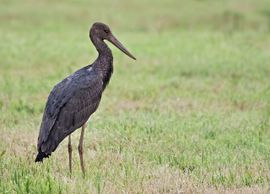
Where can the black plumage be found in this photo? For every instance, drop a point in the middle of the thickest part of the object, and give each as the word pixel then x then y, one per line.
pixel 68 107
pixel 74 99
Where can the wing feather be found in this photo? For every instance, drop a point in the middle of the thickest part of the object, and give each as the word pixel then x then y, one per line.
pixel 69 105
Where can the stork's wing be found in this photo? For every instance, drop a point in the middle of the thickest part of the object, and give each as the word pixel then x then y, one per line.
pixel 69 105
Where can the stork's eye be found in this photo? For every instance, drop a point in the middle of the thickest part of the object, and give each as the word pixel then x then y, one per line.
pixel 106 31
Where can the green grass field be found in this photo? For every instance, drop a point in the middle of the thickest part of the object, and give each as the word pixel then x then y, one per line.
pixel 191 115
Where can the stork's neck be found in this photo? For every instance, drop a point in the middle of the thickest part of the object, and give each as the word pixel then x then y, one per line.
pixel 100 45
pixel 104 62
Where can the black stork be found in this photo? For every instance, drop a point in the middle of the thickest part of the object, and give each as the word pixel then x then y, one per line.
pixel 76 98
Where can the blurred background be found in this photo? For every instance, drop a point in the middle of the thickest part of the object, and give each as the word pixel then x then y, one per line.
pixel 46 40
pixel 191 114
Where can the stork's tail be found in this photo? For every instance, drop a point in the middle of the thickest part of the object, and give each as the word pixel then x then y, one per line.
pixel 41 156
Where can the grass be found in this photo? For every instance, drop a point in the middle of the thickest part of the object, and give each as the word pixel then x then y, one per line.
pixel 190 115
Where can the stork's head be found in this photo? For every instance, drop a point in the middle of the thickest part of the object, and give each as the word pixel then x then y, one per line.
pixel 103 32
